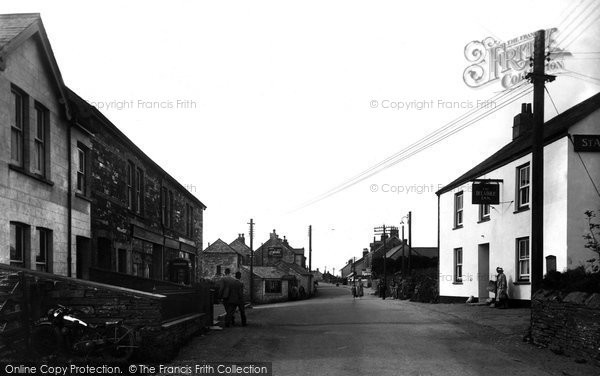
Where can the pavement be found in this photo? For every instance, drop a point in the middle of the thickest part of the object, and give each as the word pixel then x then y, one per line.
pixel 334 334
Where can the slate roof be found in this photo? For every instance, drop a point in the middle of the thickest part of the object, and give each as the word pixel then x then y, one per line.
pixel 295 267
pixel 11 25
pixel 396 252
pixel 240 247
pixel 269 272
pixel 554 129
pixel 219 246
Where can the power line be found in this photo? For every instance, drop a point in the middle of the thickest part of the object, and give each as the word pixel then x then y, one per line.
pixel 418 149
pixel 585 168
pixel 552 100
pixel 582 28
pixel 580 78
pixel 567 34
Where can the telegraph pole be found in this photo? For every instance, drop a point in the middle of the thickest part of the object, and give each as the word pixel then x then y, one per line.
pixel 383 231
pixel 403 268
pixel 310 248
pixel 409 240
pixel 251 223
pixel 538 78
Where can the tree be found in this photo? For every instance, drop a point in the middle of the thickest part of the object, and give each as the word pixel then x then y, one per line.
pixel 592 239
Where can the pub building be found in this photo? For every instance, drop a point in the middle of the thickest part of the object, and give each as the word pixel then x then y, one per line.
pixel 484 216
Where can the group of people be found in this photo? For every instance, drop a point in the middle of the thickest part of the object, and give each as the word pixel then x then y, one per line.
pixel 357 289
pixel 231 292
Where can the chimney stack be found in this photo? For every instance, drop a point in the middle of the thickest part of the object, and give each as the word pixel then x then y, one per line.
pixel 523 122
pixel 365 252
pixel 242 238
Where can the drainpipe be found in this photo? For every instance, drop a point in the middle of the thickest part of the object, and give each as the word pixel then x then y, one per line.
pixel 69 203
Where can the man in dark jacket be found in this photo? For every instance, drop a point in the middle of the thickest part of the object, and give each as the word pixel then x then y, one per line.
pixel 233 298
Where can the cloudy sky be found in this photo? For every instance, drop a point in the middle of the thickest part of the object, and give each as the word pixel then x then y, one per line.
pixel 260 107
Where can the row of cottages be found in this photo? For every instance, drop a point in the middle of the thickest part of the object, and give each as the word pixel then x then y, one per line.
pixel 77 197
pixel 475 239
pixel 396 251
pixel 277 267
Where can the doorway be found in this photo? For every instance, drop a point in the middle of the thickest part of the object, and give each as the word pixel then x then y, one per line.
pixel 483 270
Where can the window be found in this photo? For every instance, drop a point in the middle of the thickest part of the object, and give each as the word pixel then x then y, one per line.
pixel 42 258
pixel 189 220
pixel 139 190
pixel 218 270
pixel 273 286
pixel 458 210
pixel 484 212
pixel 523 259
pixel 130 178
pixel 523 187
pixel 170 209
pixel 17 127
pixel 458 265
pixel 122 260
pixel 82 158
pixel 41 135
pixel 18 242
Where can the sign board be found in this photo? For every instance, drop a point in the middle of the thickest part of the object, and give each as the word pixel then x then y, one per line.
pixel 486 193
pixel 586 142
pixel 275 252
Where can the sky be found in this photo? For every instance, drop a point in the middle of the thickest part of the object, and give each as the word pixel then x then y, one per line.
pixel 260 107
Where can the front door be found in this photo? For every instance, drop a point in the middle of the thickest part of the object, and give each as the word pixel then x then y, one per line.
pixel 483 272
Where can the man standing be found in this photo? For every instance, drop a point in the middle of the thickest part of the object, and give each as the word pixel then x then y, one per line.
pixel 239 297
pixel 226 286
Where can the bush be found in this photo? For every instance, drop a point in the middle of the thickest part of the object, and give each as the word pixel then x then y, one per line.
pixel 572 280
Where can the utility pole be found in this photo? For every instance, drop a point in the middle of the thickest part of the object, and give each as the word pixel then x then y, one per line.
pixel 310 248
pixel 382 230
pixel 538 78
pixel 251 223
pixel 403 267
pixel 409 240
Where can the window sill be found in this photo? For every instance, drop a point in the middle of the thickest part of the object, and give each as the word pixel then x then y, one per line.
pixel 30 174
pixel 457 227
pixel 522 209
pixel 83 197
pixel 522 283
pixel 482 220
pixel 457 283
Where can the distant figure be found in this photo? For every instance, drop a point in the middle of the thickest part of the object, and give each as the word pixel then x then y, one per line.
pixel 294 292
pixel 359 289
pixel 381 286
pixel 353 289
pixel 232 295
pixel 302 292
pixel 501 289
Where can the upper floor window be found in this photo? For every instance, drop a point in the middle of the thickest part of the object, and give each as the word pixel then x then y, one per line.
pixel 189 220
pixel 139 190
pixel 484 212
pixel 167 207
pixel 18 124
pixel 523 259
pixel 458 209
pixel 82 170
pixel 41 139
pixel 523 184
pixel 130 179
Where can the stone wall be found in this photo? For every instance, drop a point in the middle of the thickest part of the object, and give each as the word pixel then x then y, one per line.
pixel 567 323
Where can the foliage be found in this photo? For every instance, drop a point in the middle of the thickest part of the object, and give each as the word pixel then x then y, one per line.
pixel 592 240
pixel 573 280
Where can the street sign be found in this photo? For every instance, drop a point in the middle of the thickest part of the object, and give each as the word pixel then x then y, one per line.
pixel 486 193
pixel 586 142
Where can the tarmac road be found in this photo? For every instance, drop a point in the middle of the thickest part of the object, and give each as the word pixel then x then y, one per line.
pixel 334 334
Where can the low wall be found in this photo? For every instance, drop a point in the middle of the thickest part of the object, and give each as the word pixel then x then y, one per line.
pixel 152 315
pixel 567 323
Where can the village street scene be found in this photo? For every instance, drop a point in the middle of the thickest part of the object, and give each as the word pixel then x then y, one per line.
pixel 316 188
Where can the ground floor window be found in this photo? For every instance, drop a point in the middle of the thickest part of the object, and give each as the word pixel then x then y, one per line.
pixel 44 252
pixel 18 244
pixel 273 286
pixel 458 265
pixel 523 259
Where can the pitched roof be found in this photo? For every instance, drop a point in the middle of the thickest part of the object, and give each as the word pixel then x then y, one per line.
pixel 554 129
pixel 220 246
pixel 19 27
pixel 268 272
pixel 286 266
pixel 240 247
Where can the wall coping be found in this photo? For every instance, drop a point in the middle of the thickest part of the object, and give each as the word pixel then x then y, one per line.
pixel 55 277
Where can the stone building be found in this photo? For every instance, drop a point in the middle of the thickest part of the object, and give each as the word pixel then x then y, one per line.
pixel 270 284
pixel 144 222
pixel 239 245
pixel 275 250
pixel 217 257
pixel 44 214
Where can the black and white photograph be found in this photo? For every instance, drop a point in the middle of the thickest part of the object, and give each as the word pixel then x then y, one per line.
pixel 291 188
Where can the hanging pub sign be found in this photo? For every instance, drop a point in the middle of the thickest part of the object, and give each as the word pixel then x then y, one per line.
pixel 485 193
pixel 586 142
